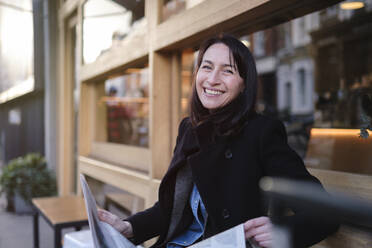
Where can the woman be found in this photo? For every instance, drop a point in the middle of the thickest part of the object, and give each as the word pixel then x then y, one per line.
pixel 223 149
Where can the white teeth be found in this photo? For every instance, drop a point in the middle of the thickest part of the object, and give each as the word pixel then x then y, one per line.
pixel 212 92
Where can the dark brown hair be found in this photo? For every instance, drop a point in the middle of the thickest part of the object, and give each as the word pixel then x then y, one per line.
pixel 229 118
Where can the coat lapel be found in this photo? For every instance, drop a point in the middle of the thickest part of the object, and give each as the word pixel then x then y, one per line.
pixel 181 195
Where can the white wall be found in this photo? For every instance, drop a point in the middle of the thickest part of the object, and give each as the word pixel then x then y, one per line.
pixel 288 73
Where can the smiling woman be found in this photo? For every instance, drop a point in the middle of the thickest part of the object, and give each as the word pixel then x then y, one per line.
pixel 222 151
pixel 225 82
pixel 217 81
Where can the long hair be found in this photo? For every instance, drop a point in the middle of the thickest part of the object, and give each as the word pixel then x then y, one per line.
pixel 229 118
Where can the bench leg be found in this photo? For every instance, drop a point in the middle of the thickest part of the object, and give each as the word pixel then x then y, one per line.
pixel 36 229
pixel 57 237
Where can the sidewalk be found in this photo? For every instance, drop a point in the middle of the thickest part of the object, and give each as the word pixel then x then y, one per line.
pixel 16 230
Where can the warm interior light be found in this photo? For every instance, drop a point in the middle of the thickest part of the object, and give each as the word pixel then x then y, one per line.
pixel 352 5
pixel 334 131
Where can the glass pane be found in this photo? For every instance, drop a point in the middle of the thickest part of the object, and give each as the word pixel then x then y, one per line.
pixel 16 48
pixel 125 104
pixel 188 58
pixel 313 74
pixel 107 22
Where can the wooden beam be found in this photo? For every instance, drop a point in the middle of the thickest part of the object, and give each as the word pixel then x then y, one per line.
pixel 130 53
pixel 65 113
pixel 208 18
pixel 137 158
pixel 175 95
pixel 86 119
pixel 122 178
pixel 160 113
pixel 68 7
pixel 153 12
pixel 214 16
pixel 100 113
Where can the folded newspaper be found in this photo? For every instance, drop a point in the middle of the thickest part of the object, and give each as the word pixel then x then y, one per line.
pixel 105 236
pixel 231 238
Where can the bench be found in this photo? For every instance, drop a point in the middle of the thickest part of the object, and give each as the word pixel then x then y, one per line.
pixel 357 185
pixel 342 161
pixel 127 203
pixel 59 212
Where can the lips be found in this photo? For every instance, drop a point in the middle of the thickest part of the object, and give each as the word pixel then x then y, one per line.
pixel 213 92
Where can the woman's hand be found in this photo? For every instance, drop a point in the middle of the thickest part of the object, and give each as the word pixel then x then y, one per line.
pixel 124 227
pixel 260 230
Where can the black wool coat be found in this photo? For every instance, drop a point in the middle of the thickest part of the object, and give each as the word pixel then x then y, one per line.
pixel 226 172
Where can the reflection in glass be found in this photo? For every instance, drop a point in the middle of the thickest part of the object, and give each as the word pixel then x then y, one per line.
pixel 16 48
pixel 107 22
pixel 188 60
pixel 127 108
pixel 313 76
pixel 173 7
pixel 324 58
pixel 302 86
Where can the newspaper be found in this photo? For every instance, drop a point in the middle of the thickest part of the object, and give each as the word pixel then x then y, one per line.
pixel 232 238
pixel 104 235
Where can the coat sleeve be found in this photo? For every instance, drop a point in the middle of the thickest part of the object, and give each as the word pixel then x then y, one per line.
pixel 281 161
pixel 146 224
pixel 150 222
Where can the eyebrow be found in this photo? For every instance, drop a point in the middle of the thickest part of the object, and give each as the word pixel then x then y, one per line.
pixel 224 65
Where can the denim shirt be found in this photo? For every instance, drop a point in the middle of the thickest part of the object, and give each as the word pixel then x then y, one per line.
pixel 196 229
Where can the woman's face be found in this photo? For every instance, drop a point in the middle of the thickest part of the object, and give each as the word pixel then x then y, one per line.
pixel 217 81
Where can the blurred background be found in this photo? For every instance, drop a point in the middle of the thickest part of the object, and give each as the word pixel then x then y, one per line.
pixel 99 87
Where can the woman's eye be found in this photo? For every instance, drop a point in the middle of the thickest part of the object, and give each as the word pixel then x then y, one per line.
pixel 206 67
pixel 229 71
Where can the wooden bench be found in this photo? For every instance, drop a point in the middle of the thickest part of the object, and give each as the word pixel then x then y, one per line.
pixel 127 203
pixel 357 185
pixel 335 157
pixel 59 213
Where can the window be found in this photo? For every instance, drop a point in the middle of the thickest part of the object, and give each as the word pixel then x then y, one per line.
pixel 302 86
pixel 16 49
pixel 259 44
pixel 124 106
pixel 107 23
pixel 288 96
pixel 320 81
pixel 188 66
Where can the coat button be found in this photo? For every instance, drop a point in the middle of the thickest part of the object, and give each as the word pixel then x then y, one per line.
pixel 228 154
pixel 225 213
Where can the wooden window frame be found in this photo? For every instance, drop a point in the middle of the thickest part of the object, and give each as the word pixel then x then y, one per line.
pixel 160 43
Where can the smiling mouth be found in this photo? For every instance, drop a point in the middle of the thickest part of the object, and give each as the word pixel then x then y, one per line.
pixel 213 92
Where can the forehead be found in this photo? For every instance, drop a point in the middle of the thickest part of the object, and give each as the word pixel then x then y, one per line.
pixel 218 53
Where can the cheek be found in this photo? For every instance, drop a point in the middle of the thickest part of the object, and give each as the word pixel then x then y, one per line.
pixel 241 85
pixel 198 84
pixel 236 88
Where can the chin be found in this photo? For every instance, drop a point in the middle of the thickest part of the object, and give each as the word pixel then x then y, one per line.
pixel 211 107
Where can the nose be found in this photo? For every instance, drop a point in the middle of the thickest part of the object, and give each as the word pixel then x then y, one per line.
pixel 213 77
